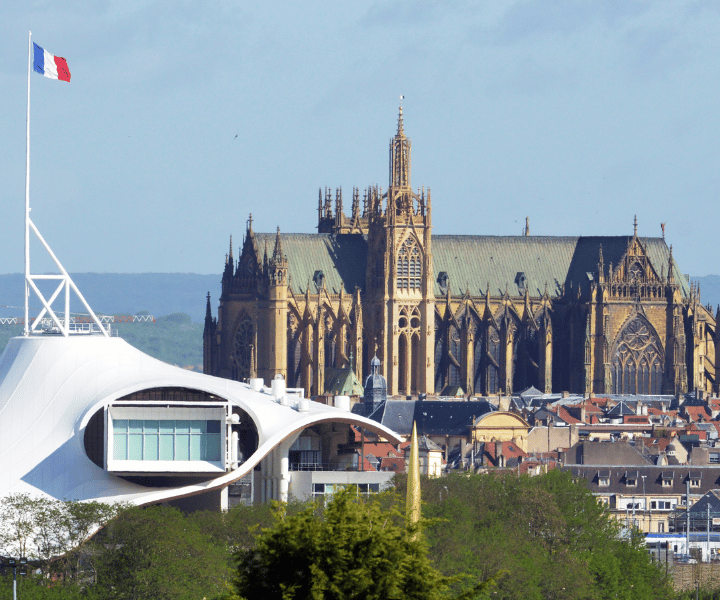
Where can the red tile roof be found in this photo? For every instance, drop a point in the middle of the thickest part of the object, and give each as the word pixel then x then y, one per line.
pixel 394 463
pixel 697 413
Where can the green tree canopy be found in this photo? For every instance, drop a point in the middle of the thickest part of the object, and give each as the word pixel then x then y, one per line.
pixel 550 534
pixel 355 548
pixel 157 552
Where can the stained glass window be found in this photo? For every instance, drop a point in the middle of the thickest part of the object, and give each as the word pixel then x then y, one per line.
pixel 637 366
pixel 409 266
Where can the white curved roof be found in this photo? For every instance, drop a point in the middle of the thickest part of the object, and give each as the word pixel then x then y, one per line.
pixel 50 386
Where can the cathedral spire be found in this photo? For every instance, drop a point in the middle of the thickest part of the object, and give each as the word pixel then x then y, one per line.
pixel 230 255
pixel 277 252
pixel 208 314
pixel 400 157
pixel 338 207
pixel 635 227
pixel 671 273
pixel 356 205
pixel 277 265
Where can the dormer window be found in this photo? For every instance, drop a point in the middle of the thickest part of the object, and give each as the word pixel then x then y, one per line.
pixel 319 280
pixel 443 282
pixel 603 478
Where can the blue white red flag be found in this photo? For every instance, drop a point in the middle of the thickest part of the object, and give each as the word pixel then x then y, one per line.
pixel 54 67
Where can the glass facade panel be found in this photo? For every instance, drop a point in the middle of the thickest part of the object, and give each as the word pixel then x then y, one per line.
pixel 167 440
pixel 151 447
pixel 198 426
pixel 195 453
pixel 135 446
pixel 182 446
pixel 120 446
pixel 212 447
pixel 167 443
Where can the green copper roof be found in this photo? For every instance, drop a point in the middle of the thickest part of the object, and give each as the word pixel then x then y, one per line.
pixel 342 382
pixel 471 261
pixel 341 258
pixel 475 262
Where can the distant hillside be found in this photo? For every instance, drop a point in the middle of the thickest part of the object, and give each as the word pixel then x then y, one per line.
pixel 129 293
pixel 709 289
pixel 173 338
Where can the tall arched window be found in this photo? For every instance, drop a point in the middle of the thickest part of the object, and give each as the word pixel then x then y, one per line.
pixel 440 354
pixel 409 266
pixel 243 349
pixel 454 374
pixel 402 364
pixel 294 351
pixel 493 365
pixel 637 366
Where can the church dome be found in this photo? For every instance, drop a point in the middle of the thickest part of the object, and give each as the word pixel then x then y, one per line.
pixel 375 384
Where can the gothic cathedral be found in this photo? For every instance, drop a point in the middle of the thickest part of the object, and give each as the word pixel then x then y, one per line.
pixel 449 314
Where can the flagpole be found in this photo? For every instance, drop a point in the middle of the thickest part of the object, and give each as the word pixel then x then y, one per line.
pixel 27 191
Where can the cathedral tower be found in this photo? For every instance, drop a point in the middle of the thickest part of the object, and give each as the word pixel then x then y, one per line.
pixel 399 275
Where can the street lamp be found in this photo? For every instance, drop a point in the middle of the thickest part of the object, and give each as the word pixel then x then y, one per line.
pixel 14 563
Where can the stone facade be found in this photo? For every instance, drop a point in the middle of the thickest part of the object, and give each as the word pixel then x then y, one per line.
pixel 486 314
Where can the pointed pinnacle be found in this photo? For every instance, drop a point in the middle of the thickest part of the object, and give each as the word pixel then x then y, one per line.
pixel 277 252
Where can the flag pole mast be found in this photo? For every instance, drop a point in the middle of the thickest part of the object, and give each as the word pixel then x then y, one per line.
pixel 27 192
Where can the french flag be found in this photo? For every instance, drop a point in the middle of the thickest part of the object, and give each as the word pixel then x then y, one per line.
pixel 54 67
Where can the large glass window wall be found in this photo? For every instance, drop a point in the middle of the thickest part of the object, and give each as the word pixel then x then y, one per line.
pixel 169 440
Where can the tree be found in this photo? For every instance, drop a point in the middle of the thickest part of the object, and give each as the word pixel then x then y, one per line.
pixel 157 552
pixel 355 548
pixel 549 533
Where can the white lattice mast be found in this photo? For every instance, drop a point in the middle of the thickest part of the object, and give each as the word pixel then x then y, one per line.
pixel 65 282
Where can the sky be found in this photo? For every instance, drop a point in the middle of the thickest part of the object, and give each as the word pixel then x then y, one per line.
pixel 182 117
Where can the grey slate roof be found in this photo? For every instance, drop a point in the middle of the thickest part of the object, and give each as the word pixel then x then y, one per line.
pixel 620 409
pixel 711 498
pixel 471 261
pixel 677 477
pixel 433 417
pixel 619 454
